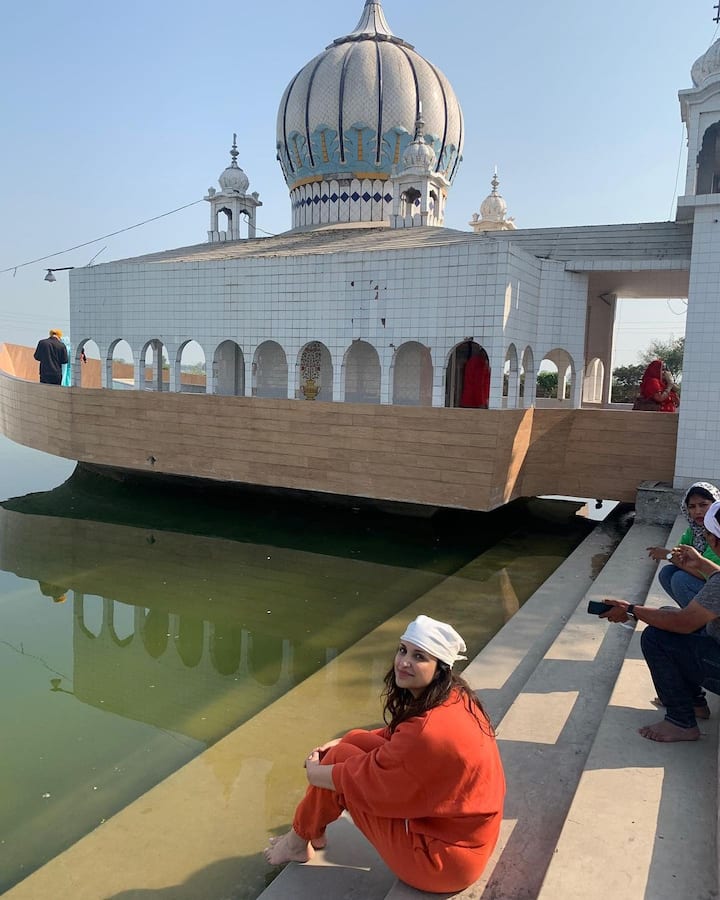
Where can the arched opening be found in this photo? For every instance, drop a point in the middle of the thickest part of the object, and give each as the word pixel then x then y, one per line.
pixel 229 370
pixel 467 376
pixel 85 365
pixel 555 378
pixel 189 640
pixel 226 648
pixel 190 368
pixel 511 379
pixel 315 372
pixel 593 381
pixel 361 373
pixel 155 632
pixel 120 366
pixel 412 375
pixel 266 659
pixel 224 217
pixel 270 371
pixel 708 176
pixel 156 366
pixel 122 623
pixel 91 615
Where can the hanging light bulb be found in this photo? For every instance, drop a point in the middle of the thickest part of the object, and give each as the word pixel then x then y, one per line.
pixel 50 276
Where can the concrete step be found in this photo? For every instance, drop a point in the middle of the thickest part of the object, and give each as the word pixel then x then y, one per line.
pixel 500 673
pixel 643 822
pixel 547 733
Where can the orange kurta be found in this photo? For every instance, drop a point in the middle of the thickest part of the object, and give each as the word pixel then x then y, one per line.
pixel 429 797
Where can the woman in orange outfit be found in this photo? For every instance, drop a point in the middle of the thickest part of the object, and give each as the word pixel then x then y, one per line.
pixel 427 790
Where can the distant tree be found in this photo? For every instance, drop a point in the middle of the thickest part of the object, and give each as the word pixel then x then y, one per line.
pixel 670 352
pixel 194 369
pixel 547 385
pixel 626 383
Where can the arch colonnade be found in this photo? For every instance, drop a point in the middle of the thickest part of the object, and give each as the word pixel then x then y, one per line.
pixel 410 374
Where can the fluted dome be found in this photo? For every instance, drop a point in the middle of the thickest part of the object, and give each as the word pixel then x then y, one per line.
pixel 707 66
pixel 493 208
pixel 419 155
pixel 233 180
pixel 350 113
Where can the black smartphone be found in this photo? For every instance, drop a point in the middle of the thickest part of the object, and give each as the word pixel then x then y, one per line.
pixel 596 608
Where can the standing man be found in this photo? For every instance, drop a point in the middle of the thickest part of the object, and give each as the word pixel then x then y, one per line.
pixel 52 355
pixel 682 646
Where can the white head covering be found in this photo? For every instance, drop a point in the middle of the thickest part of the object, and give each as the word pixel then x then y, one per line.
pixel 710 522
pixel 436 638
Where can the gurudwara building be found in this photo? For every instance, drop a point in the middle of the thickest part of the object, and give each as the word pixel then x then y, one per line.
pixel 370 300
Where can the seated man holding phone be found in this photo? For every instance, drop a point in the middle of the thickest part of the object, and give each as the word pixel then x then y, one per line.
pixel 681 646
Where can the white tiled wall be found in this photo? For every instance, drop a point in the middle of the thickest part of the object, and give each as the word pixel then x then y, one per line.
pixel 438 296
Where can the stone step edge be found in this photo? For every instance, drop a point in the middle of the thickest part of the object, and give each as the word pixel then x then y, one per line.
pixel 652 808
pixel 494 882
pixel 498 673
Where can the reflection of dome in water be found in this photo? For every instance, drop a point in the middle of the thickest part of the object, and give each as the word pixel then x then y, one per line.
pixel 351 111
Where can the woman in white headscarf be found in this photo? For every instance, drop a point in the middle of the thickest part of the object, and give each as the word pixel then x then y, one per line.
pixel 683 580
pixel 426 790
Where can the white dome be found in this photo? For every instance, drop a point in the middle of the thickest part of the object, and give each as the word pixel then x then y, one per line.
pixel 706 66
pixel 351 111
pixel 419 156
pixel 493 208
pixel 233 180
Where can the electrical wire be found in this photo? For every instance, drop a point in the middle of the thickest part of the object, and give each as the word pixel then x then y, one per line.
pixel 677 173
pixel 101 238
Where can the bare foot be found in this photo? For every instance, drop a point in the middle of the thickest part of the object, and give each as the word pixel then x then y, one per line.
pixel 288 848
pixel 701 712
pixel 666 732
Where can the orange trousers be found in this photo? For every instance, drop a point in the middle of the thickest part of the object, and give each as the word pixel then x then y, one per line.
pixel 425 863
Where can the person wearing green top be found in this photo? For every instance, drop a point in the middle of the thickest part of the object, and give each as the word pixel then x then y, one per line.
pixel 681 580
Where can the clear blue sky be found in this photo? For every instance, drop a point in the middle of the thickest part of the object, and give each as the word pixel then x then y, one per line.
pixel 114 113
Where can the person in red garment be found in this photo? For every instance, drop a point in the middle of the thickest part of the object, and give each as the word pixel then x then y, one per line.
pixel 657 389
pixel 476 381
pixel 426 790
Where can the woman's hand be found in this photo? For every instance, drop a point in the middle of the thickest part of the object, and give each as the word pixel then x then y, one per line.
pixel 658 553
pixel 691 560
pixel 323 748
pixel 317 774
pixel 686 556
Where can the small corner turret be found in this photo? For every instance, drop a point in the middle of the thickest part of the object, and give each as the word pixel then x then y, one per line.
pixel 232 202
pixel 493 212
pixel 419 190
pixel 700 111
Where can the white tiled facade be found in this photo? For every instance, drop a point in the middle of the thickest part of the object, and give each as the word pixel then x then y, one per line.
pixel 374 314
pixel 496 294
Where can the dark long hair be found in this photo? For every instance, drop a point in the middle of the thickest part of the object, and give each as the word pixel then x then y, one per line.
pixel 400 705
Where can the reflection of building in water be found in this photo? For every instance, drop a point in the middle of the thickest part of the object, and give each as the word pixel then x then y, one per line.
pixel 196 634
pixel 177 671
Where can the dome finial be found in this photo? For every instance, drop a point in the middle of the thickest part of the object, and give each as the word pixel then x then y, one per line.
pixel 372 20
pixel 420 124
pixel 234 153
pixel 493 211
